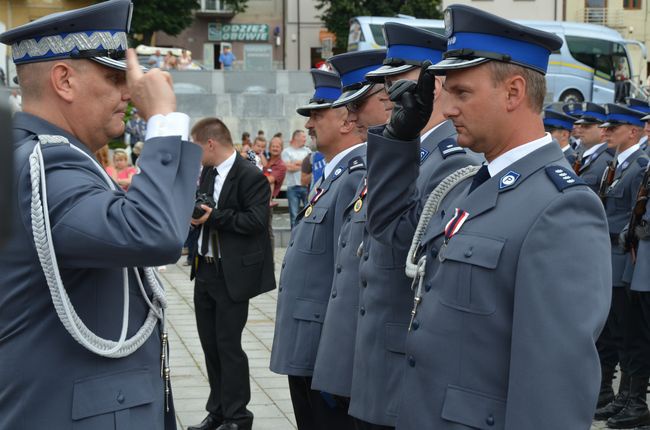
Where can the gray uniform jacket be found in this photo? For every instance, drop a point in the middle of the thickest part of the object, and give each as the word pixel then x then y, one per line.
pixel 593 166
pixel 504 338
pixel 48 380
pixel 386 298
pixel 620 199
pixel 333 368
pixel 308 270
pixel 641 275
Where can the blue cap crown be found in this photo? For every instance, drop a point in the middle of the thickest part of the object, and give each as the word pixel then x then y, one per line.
pixel 638 104
pixel 412 45
pixel 591 113
pixel 353 66
pixel 555 119
pixel 475 36
pixel 327 86
pixel 95 31
pixel 619 114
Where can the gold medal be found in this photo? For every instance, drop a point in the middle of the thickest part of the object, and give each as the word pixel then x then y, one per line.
pixel 308 210
pixel 358 205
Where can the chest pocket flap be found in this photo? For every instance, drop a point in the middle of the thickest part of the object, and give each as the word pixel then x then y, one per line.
pixel 476 250
pixel 309 310
pixel 316 216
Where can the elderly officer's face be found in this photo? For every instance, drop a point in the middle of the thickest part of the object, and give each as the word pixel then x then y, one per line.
pixel 475 105
pixel 100 103
pixel 324 126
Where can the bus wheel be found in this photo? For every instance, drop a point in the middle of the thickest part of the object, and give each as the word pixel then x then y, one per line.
pixel 572 96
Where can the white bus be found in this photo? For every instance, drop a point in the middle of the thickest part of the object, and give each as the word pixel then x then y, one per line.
pixel 592 59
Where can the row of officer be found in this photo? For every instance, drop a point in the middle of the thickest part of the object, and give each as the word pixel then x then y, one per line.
pixel 514 297
pixel 307 270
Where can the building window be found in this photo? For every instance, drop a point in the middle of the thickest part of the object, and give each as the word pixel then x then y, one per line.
pixel 631 4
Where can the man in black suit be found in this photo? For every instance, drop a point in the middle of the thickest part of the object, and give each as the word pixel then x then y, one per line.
pixel 233 263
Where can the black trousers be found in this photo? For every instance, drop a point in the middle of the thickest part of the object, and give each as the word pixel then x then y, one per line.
pixel 637 336
pixel 363 425
pixel 610 344
pixel 318 411
pixel 220 323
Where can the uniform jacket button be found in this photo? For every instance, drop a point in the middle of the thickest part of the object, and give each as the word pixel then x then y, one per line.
pixel 333 293
pixel 411 361
pixel 343 244
pixel 362 311
pixel 120 398
pixel 365 257
pixel 291 243
pixel 490 420
pixel 280 289
pixel 364 283
pixel 284 264
pixel 468 253
pixel 338 268
pixel 317 316
pixel 166 158
pixel 427 287
pixel 415 325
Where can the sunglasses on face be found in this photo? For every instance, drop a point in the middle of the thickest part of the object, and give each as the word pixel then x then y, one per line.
pixel 356 105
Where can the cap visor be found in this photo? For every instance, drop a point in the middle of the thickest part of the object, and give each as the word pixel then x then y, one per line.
pixel 306 109
pixel 587 121
pixel 350 96
pixel 645 118
pixel 379 74
pixel 114 64
pixel 606 125
pixel 454 63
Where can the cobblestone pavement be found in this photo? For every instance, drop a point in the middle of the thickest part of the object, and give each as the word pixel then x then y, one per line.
pixel 270 401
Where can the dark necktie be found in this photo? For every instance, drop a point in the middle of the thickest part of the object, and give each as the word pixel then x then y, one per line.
pixel 210 177
pixel 481 176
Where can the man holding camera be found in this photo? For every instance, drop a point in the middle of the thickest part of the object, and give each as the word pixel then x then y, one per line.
pixel 233 263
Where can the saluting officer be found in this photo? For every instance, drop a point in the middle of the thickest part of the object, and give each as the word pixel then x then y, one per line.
pixel 624 129
pixel 504 338
pixel 68 360
pixel 333 367
pixel 308 267
pixel 385 298
pixel 560 126
pixel 597 154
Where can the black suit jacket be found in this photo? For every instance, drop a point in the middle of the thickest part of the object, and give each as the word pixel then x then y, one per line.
pixel 242 222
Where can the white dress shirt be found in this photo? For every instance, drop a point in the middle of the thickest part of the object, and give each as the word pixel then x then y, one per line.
pixel 338 157
pixel 591 150
pixel 222 169
pixel 172 124
pixel 629 151
pixel 515 154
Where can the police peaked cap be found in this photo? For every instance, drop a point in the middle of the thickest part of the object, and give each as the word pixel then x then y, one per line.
pixel 327 87
pixel 622 115
pixel 555 119
pixel 352 67
pixel 475 36
pixel 591 113
pixel 97 32
pixel 408 48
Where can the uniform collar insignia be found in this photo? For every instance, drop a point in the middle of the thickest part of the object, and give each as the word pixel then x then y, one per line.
pixel 423 155
pixel 508 180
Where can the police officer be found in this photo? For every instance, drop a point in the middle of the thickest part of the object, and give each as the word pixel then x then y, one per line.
pixel 483 350
pixel 624 129
pixel 385 297
pixel 560 126
pixel 68 360
pixel 308 266
pixel 574 109
pixel 641 106
pixel 596 155
pixel 333 367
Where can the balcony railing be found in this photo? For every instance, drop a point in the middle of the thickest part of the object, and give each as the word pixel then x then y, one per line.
pixel 214 8
pixel 602 16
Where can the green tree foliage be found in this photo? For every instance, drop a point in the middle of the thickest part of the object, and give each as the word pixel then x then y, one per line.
pixel 170 16
pixel 336 14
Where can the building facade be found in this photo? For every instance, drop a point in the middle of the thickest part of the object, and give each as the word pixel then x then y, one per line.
pixel 269 35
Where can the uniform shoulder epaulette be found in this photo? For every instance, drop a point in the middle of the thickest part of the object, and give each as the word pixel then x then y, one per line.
pixel 449 147
pixel 643 161
pixel 563 177
pixel 356 163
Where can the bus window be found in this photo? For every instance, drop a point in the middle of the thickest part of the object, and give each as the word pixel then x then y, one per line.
pixel 595 53
pixel 377 31
pixel 355 36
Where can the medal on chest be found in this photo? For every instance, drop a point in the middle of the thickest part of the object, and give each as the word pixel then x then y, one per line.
pixel 359 203
pixel 453 226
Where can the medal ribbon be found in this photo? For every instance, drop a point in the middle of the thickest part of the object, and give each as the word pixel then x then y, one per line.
pixel 318 195
pixel 365 188
pixel 454 224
